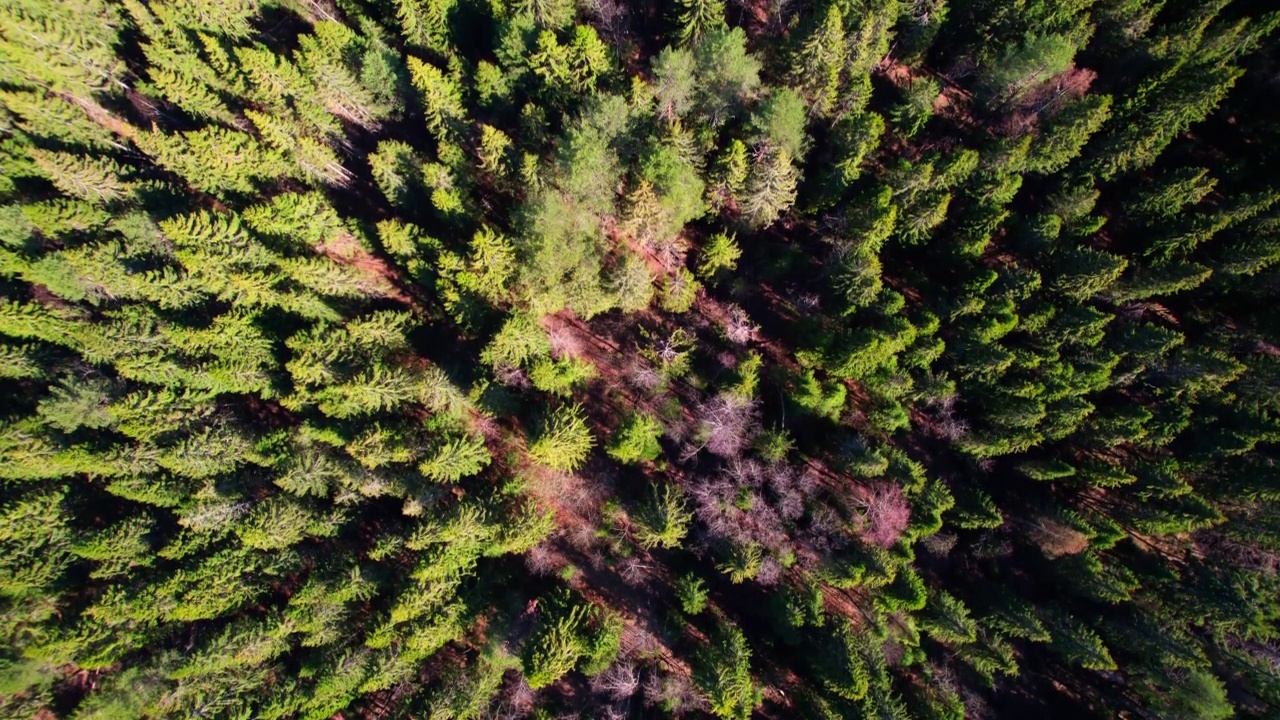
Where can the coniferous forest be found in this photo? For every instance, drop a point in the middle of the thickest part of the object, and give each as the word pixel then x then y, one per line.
pixel 556 359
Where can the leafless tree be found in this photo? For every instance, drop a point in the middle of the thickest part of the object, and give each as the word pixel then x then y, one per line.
pixel 951 427
pixel 885 515
pixel 612 712
pixel 638 642
pixel 643 376
pixel 1240 554
pixel 746 472
pixel 672 690
pixel 633 571
pixel 791 489
pixel 612 16
pixel 671 253
pixel 541 560
pixel 737 513
pixel 619 682
pixel 944 677
pixel 516 701
pixel 975 706
pixel 770 572
pixel 738 327
pixel 1056 539
pixel 808 302
pixel 511 376
pixel 992 545
pixel 940 544
pixel 791 505
pixel 582 537
pixel 726 425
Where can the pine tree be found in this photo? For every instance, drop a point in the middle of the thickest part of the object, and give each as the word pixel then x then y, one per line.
pixel 63 48
pixel 771 188
pixel 56 118
pixel 1066 132
pixel 724 673
pixel 727 75
pixel 456 459
pixel 664 521
pixel 820 58
pixel 557 651
pixel 441 99
pixel 215 160
pixel 636 440
pixel 425 23
pixel 1021 69
pixel 564 440
pixel 697 18
pixel 673 82
pixel 97 180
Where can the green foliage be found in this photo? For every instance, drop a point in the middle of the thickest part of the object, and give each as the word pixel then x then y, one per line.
pixel 720 254
pixel 723 672
pixel 453 460
pixel 743 562
pixel 913 113
pixel 251 252
pixel 746 378
pixel 636 440
pixel 820 57
pixel 571 633
pixel 726 74
pixel 1193 694
pixel 779 121
pixel 556 648
pixel 774 445
pixel 692 594
pixel 396 169
pixel 441 97
pixel 1023 68
pixel 664 520
pixel 572 68
pixel 1066 133
pixel 561 377
pixel 770 188
pixel 947 620
pixel 695 19
pixel 563 440
pixel 518 342
pixel 679 290
pixel 821 399
pixel 1080 645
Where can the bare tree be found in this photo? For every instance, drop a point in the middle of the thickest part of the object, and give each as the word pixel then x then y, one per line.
pixel 738 327
pixel 612 712
pixel 885 515
pixel 726 425
pixel 511 376
pixel 542 560
pixel 619 682
pixel 770 572
pixel 672 690
pixel 1056 539
pixel 940 544
pixel 643 376
pixel 633 571
pixel 612 16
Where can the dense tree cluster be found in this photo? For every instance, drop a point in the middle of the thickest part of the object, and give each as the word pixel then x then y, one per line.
pixel 455 359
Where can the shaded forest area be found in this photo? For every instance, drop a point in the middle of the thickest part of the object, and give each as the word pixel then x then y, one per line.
pixel 496 359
